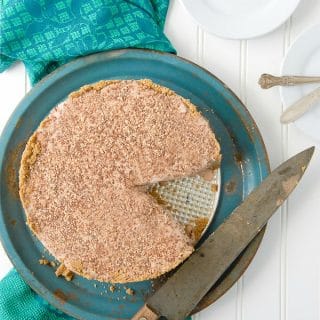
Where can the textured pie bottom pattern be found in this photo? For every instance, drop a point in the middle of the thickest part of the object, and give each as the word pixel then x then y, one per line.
pixel 192 200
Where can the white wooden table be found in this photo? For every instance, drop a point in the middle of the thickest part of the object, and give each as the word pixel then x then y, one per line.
pixel 283 280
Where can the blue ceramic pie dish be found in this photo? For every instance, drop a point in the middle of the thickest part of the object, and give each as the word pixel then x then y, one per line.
pixel 244 165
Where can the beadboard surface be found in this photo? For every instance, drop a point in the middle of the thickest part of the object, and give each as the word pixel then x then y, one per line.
pixel 282 282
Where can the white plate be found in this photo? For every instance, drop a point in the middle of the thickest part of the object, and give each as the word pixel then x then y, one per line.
pixel 240 19
pixel 303 58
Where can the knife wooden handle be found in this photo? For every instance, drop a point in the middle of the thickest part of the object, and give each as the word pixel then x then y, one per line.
pixel 296 110
pixel 145 313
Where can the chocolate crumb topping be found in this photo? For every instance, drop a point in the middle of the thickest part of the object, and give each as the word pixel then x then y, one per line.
pixel 83 170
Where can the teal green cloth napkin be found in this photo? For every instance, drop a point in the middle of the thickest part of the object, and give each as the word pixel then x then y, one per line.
pixel 19 302
pixel 46 34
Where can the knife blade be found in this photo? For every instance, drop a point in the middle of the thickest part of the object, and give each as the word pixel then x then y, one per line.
pixel 185 288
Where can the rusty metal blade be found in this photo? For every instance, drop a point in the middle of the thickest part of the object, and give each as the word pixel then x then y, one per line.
pixel 181 293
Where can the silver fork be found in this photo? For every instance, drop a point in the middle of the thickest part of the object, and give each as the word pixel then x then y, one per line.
pixel 267 81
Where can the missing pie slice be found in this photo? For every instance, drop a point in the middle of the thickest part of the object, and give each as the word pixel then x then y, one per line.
pixel 82 171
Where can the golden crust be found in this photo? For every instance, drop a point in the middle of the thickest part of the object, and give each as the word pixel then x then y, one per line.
pixel 146 82
pixel 123 278
pixel 29 158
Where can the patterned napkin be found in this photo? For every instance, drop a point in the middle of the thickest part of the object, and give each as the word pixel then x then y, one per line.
pixel 19 302
pixel 45 34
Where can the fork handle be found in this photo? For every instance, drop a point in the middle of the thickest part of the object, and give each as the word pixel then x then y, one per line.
pixel 267 81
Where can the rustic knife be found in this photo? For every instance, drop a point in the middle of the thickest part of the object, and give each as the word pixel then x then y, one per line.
pixel 185 288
